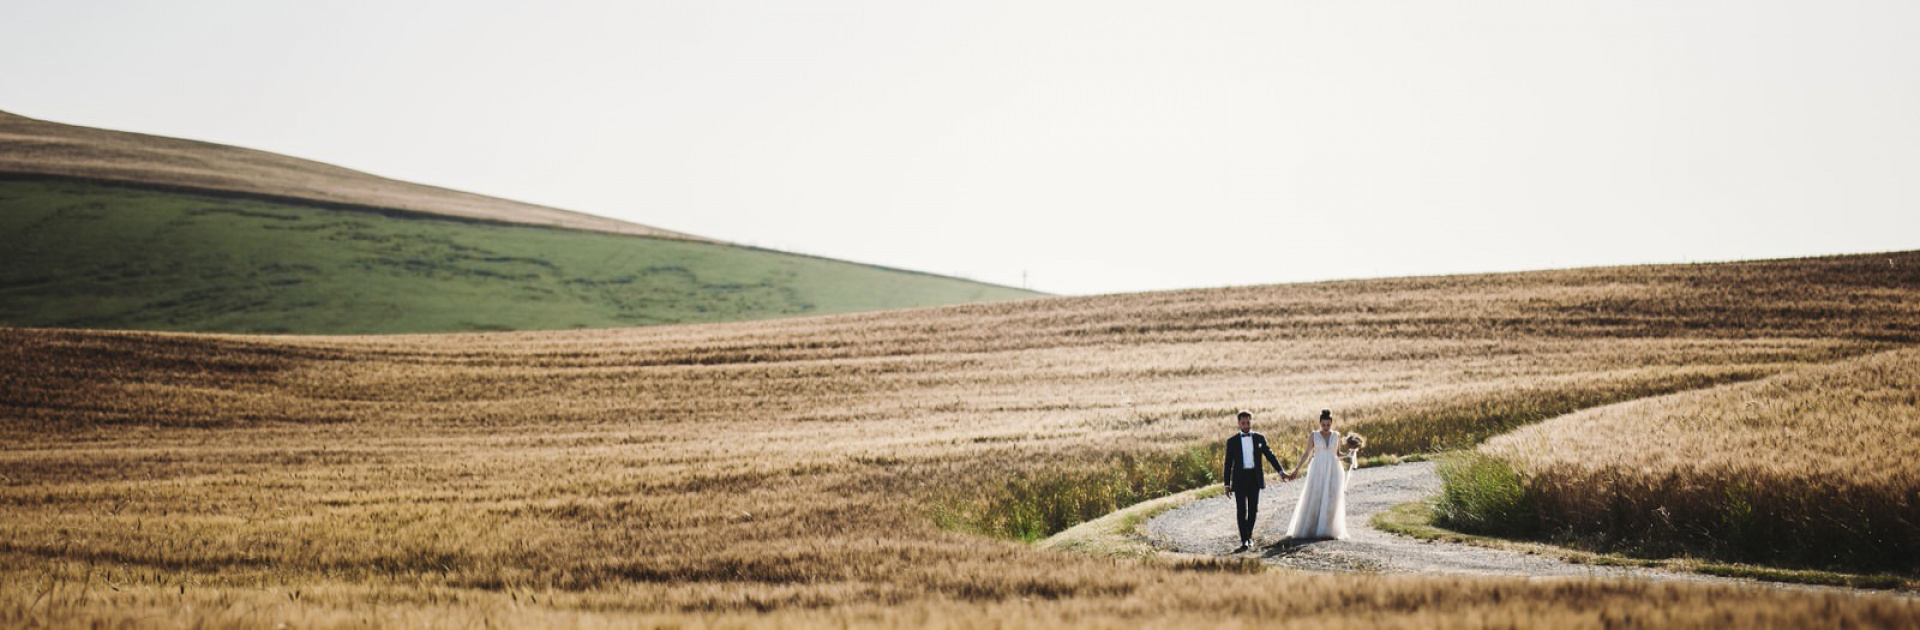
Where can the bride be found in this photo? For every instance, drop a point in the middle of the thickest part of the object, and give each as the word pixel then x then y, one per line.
pixel 1322 511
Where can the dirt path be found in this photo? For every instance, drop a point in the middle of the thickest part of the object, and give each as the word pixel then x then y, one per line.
pixel 1206 527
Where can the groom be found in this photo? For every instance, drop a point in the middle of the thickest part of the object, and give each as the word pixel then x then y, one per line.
pixel 1244 475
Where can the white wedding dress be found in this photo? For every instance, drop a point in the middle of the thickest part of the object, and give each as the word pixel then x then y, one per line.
pixel 1322 511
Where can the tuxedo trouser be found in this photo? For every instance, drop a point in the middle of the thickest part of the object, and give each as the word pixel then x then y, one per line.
pixel 1246 499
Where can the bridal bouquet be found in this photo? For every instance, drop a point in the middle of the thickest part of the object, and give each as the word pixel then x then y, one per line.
pixel 1356 441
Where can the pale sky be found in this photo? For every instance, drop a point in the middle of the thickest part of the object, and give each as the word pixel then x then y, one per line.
pixel 1096 147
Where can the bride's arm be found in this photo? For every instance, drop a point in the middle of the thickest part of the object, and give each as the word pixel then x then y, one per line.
pixel 1300 461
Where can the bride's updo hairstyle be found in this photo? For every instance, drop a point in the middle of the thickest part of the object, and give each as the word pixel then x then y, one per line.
pixel 1326 414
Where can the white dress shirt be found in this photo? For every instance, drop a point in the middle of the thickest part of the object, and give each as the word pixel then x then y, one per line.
pixel 1246 450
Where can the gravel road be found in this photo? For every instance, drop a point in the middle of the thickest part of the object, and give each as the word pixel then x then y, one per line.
pixel 1206 527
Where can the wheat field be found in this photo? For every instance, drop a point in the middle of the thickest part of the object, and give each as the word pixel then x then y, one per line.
pixel 849 470
pixel 1815 467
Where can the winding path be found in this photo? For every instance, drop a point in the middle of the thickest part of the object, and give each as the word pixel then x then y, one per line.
pixel 1206 527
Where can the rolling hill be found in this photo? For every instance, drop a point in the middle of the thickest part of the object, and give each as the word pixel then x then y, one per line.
pixel 30 147
pixel 870 469
pixel 104 229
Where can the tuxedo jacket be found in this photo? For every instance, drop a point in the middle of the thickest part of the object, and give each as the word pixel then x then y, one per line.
pixel 1260 451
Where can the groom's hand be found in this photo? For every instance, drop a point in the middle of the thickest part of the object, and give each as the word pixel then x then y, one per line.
pixel 1229 489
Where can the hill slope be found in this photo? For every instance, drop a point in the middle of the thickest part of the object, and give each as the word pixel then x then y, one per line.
pixel 109 229
pixel 37 147
pixel 87 255
pixel 795 473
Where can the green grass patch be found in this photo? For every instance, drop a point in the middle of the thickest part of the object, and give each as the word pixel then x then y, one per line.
pixel 1122 534
pixel 1033 506
pixel 1881 581
pixel 1415 520
pixel 83 255
pixel 1484 495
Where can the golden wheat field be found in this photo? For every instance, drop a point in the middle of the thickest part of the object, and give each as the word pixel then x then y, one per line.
pixel 862 470
pixel 1817 465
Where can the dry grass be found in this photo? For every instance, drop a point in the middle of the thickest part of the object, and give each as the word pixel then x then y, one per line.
pixel 1818 467
pixel 790 472
pixel 37 147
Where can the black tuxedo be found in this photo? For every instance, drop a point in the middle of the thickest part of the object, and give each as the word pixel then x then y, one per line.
pixel 1245 483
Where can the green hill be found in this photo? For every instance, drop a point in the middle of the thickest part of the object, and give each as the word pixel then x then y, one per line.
pixel 86 254
pixel 30 146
